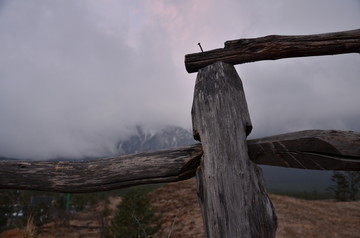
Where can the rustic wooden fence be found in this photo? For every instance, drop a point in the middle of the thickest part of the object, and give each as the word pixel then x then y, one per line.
pixel 231 190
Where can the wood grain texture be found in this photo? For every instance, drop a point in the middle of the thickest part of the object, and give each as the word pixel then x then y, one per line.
pixel 313 149
pixel 275 47
pixel 231 190
pixel 310 149
pixel 100 175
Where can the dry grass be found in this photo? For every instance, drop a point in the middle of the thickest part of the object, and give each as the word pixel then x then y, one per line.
pixel 30 230
pixel 177 203
pixel 178 200
pixel 14 233
pixel 85 224
pixel 316 219
pixel 297 218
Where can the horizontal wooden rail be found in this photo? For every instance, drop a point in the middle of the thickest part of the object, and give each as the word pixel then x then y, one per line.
pixel 104 174
pixel 314 149
pixel 274 47
pixel 311 149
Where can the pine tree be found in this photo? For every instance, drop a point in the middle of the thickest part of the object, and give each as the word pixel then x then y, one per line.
pixel 354 184
pixel 134 218
pixel 347 185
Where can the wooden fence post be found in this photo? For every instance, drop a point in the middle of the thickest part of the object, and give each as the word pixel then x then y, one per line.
pixel 231 190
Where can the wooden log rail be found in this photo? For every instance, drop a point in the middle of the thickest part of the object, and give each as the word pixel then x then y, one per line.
pixel 310 149
pixel 313 149
pixel 103 174
pixel 275 47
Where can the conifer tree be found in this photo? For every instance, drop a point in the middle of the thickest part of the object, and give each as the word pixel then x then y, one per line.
pixel 347 185
pixel 134 218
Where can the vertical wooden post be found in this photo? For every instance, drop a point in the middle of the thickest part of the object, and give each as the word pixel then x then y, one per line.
pixel 231 190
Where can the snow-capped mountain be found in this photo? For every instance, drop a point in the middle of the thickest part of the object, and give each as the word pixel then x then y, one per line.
pixel 166 138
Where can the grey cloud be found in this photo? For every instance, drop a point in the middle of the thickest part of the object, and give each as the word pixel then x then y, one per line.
pixel 70 90
pixel 76 76
pixel 300 94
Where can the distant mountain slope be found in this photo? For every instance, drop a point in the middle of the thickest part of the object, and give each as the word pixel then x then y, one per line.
pixel 166 138
pixel 279 179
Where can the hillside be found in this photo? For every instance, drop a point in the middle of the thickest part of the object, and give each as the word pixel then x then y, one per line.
pixel 177 204
pixel 296 217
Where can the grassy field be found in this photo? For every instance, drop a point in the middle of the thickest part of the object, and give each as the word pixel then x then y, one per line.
pixel 177 205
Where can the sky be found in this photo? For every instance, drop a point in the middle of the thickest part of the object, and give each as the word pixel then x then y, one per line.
pixel 77 76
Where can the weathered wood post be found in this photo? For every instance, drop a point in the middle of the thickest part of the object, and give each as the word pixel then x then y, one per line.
pixel 231 190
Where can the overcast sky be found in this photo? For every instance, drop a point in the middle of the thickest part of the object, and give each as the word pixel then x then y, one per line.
pixel 76 76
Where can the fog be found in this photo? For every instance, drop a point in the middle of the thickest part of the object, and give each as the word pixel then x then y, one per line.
pixel 77 76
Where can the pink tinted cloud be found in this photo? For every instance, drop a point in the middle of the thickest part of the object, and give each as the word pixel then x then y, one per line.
pixel 184 24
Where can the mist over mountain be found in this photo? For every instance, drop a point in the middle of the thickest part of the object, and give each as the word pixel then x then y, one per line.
pixel 276 178
pixel 140 139
pixel 168 137
pixel 77 76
